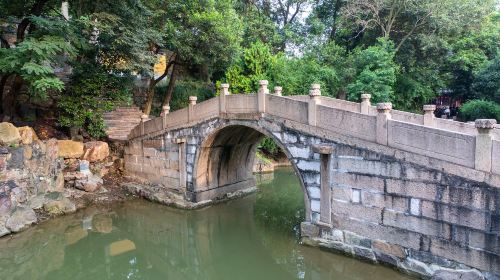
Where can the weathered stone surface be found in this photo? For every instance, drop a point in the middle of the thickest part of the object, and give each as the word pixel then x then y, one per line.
pixel 95 151
pixel 364 253
pixel 354 239
pixel 60 206
pixel 21 219
pixel 389 249
pixel 415 267
pixel 309 229
pixel 9 134
pixel 70 149
pixel 449 274
pixel 27 135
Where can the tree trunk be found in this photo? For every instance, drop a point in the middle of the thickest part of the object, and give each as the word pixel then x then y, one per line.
pixel 3 82
pixel 10 100
pixel 150 97
pixel 171 86
pixel 152 84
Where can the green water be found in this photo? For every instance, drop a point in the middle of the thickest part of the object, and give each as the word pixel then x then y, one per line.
pixel 249 238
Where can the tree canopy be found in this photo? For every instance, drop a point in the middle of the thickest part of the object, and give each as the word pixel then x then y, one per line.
pixel 404 51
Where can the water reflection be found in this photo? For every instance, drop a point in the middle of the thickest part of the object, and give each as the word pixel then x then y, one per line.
pixel 141 240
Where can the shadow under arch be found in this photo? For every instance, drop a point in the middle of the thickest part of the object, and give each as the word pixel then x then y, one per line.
pixel 224 162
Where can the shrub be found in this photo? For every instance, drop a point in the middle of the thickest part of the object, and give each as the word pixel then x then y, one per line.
pixel 479 109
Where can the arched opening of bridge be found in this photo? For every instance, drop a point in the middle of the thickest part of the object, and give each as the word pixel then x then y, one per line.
pixel 226 163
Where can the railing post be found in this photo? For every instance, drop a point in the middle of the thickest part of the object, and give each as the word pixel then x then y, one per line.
pixel 144 117
pixel 277 91
pixel 429 117
pixel 314 100
pixel 165 111
pixel 365 103
pixel 192 103
pixel 224 90
pixel 325 215
pixel 261 96
pixel 383 117
pixel 484 144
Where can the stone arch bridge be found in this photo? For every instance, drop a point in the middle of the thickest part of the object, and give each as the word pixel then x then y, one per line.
pixel 412 191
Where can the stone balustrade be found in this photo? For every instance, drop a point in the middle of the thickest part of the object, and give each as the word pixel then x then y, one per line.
pixel 470 145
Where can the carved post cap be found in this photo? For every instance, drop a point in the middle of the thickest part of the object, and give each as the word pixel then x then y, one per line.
pixel 322 149
pixel 263 82
pixel 224 89
pixel 485 125
pixel 384 107
pixel 366 96
pixel 315 90
pixel 192 100
pixel 144 117
pixel 278 90
pixel 429 108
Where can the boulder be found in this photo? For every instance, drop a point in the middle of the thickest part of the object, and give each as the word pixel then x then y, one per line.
pixel 3 229
pixel 9 134
pixel 70 149
pixel 92 184
pixel 95 151
pixel 27 134
pixel 5 205
pixel 61 205
pixel 21 219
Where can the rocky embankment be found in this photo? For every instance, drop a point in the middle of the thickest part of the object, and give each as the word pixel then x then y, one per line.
pixel 39 179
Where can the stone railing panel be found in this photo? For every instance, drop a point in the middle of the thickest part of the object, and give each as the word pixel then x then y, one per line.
pixel 178 117
pixel 303 98
pixel 207 109
pixel 340 104
pixel 461 127
pixel 153 125
pixel 286 108
pixel 241 103
pixel 495 156
pixel 347 123
pixel 407 117
pixel 441 144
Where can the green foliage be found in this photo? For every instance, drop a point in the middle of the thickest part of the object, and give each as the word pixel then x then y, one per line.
pixel 487 81
pixel 183 89
pixel 479 109
pixel 34 60
pixel 269 147
pixel 376 72
pixel 92 92
pixel 254 65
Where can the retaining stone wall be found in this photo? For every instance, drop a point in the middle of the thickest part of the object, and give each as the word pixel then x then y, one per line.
pixel 420 220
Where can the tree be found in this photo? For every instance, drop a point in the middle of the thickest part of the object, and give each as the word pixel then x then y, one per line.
pixel 376 72
pixel 399 20
pixel 200 34
pixel 486 84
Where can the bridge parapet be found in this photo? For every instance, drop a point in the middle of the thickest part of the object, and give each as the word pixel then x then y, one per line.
pixel 446 140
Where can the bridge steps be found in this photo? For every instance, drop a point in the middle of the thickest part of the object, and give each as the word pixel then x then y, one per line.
pixel 121 121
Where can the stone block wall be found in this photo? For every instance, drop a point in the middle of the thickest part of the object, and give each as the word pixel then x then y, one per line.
pixel 420 220
pixel 28 173
pixel 157 161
